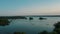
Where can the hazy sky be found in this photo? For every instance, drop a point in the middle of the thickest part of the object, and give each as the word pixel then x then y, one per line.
pixel 29 7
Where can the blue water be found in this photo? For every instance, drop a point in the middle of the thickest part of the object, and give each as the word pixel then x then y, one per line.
pixel 30 26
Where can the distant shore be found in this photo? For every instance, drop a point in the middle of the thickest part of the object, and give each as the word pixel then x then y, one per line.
pixel 13 17
pixel 24 17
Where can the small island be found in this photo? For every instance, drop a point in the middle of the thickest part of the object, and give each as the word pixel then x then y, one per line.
pixel 42 18
pixel 30 18
pixel 4 22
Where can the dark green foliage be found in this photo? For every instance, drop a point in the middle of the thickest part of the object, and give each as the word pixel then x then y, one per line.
pixel 13 17
pixel 57 27
pixel 41 18
pixel 30 18
pixel 4 22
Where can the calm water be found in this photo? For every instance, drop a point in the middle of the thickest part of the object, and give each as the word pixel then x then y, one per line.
pixel 29 26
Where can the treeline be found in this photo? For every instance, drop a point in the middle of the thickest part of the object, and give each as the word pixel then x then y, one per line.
pixel 13 17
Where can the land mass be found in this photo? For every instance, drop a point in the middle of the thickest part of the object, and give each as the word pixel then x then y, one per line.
pixel 24 17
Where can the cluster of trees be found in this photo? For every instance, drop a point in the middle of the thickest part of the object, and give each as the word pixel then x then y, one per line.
pixel 56 30
pixel 13 17
pixel 4 22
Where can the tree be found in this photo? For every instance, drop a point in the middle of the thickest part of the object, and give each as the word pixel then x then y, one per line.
pixel 57 28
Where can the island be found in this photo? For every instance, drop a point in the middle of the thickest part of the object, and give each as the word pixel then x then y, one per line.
pixel 4 22
pixel 42 18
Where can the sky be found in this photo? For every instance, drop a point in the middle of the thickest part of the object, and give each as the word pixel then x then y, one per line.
pixel 29 7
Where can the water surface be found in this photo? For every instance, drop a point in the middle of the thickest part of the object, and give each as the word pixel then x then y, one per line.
pixel 30 26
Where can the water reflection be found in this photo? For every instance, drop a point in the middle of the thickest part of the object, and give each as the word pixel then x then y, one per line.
pixel 29 26
pixel 56 30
